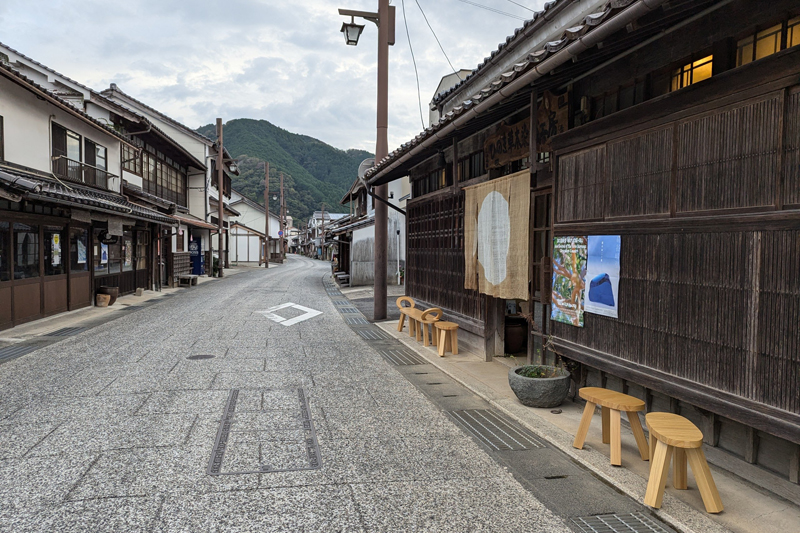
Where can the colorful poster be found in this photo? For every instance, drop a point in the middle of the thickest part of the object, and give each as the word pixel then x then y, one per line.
pixel 81 252
pixel 103 254
pixel 602 273
pixel 569 275
pixel 56 248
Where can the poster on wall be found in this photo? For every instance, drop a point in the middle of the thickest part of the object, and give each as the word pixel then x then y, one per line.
pixel 81 251
pixel 602 275
pixel 103 254
pixel 569 275
pixel 55 245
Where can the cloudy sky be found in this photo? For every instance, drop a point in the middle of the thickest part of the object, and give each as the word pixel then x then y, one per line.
pixel 280 60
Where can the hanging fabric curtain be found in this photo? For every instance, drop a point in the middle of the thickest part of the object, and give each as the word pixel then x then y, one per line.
pixel 496 215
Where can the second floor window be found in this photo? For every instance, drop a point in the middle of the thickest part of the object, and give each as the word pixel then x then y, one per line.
pixel 767 42
pixel 691 73
pixel 66 154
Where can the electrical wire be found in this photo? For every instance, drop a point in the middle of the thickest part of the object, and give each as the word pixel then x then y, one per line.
pixel 520 5
pixel 437 38
pixel 413 60
pixel 493 10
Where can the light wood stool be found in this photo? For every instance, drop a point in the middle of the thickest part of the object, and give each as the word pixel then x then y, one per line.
pixel 427 321
pixel 404 312
pixel 612 404
pixel 674 437
pixel 448 337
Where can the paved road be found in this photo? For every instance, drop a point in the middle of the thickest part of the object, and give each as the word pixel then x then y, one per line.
pixel 115 429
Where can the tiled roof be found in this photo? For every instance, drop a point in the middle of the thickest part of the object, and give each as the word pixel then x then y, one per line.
pixel 533 59
pixel 190 220
pixel 10 73
pixel 75 195
pixel 45 67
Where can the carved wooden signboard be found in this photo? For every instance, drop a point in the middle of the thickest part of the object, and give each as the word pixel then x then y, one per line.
pixel 507 144
pixel 553 118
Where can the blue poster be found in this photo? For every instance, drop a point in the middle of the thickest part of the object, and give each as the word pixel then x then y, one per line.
pixel 602 275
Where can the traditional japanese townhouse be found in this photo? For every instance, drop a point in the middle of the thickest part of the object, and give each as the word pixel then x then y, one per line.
pixel 202 194
pixel 66 229
pixel 248 234
pixel 670 131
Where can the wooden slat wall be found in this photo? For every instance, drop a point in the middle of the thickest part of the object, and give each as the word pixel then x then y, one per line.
pixel 435 256
pixel 639 174
pixel 791 151
pixel 720 309
pixel 581 177
pixel 729 158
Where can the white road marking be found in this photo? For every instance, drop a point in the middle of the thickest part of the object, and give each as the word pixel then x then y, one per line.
pixel 308 313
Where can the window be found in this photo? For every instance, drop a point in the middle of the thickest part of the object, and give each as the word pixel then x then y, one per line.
pixel 127 251
pixel 163 180
pixel 100 253
pixel 131 160
pixel 142 239
pixel 78 250
pixel 767 42
pixel 179 241
pixel 5 251
pixel 54 251
pixel 691 73
pixel 26 251
pixel 95 157
pixel 67 154
pixel 471 166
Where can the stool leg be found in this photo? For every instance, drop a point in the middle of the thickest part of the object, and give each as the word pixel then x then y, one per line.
pixel 658 475
pixel 411 326
pixel 401 322
pixel 441 346
pixel 455 341
pixel 638 434
pixel 434 335
pixel 705 483
pixel 652 445
pixel 448 341
pixel 425 334
pixel 616 438
pixel 606 413
pixel 583 427
pixel 420 326
pixel 679 469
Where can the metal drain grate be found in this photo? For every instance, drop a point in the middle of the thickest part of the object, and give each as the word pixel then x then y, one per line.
pixel 626 523
pixel 341 302
pixel 401 357
pixel 356 320
pixel 373 334
pixel 349 310
pixel 64 332
pixel 494 431
pixel 10 352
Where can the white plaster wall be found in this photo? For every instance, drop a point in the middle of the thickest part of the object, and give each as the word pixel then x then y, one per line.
pixel 133 179
pixel 26 128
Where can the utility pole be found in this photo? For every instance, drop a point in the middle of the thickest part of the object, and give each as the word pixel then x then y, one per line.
pixel 220 184
pixel 266 216
pixel 283 220
pixel 322 240
pixel 385 34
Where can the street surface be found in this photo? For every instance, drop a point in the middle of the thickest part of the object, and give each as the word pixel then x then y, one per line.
pixel 295 424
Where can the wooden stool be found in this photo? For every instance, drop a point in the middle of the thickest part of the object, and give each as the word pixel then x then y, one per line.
pixel 612 403
pixel 427 320
pixel 671 436
pixel 448 337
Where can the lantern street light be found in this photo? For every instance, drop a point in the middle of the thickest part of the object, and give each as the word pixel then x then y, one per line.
pixel 384 19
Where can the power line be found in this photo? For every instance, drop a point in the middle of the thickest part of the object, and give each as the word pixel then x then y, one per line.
pixel 413 60
pixel 435 37
pixel 520 5
pixel 492 9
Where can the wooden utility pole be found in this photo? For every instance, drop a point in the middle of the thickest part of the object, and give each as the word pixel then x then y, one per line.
pixel 220 201
pixel 283 220
pixel 266 208
pixel 322 240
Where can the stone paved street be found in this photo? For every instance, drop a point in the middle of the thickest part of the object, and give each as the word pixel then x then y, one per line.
pixel 114 429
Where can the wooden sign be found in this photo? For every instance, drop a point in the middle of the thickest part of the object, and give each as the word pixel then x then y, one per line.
pixel 508 144
pixel 552 119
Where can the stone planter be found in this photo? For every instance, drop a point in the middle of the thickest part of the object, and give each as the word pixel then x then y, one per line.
pixel 111 291
pixel 101 300
pixel 540 392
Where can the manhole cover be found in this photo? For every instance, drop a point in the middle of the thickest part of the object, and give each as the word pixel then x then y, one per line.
pixel 613 523
pixel 494 431
pixel 199 357
pixel 65 332
pixel 10 352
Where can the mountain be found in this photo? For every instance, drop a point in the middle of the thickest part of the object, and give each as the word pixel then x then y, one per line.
pixel 314 172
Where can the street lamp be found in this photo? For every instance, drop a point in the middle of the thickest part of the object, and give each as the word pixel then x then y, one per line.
pixel 384 19
pixel 352 31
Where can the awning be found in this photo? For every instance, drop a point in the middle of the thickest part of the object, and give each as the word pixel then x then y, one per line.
pixel 194 222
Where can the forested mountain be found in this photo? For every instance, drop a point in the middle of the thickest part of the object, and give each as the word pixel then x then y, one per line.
pixel 314 172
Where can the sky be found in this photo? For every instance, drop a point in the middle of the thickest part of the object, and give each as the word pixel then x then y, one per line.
pixel 280 60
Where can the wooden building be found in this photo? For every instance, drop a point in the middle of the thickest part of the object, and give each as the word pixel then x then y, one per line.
pixel 675 126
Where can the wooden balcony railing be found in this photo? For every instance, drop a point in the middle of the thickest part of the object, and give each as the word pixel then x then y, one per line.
pixel 71 170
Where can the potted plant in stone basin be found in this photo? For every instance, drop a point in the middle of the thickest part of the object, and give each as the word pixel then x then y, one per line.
pixel 542 386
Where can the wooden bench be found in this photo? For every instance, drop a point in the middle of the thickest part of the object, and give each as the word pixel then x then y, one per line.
pixel 612 404
pixel 426 322
pixel 187 280
pixel 415 317
pixel 674 437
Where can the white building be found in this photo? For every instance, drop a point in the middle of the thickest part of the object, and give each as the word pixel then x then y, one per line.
pixel 248 231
